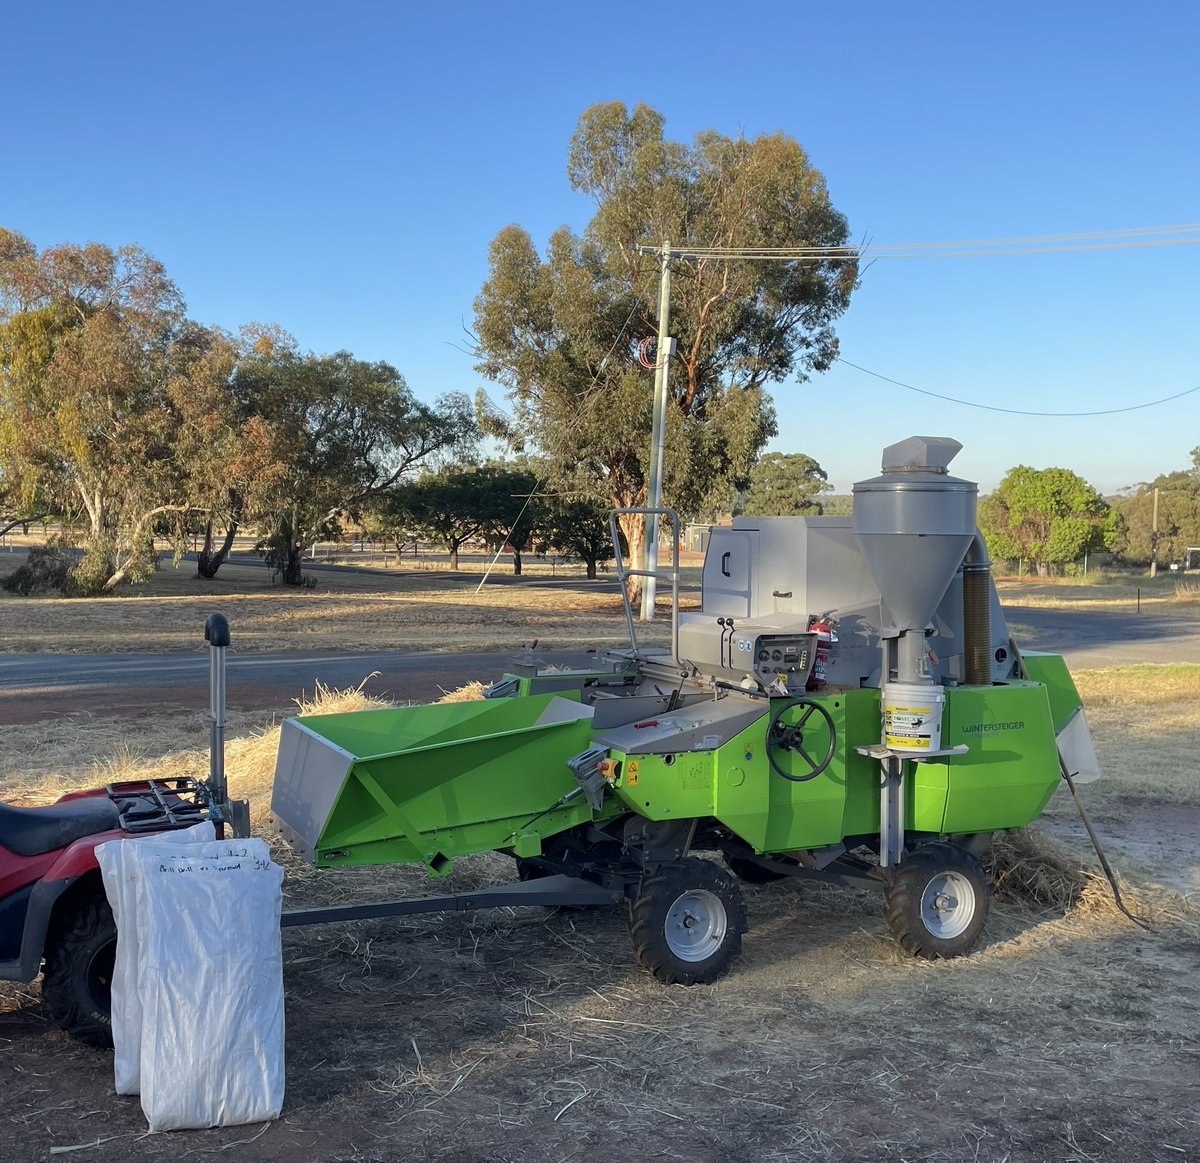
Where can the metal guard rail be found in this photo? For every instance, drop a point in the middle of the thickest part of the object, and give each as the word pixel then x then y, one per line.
pixel 672 575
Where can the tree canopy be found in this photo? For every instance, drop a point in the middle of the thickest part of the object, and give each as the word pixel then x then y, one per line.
pixel 785 485
pixel 1178 516
pixel 118 411
pixel 103 383
pixel 340 432
pixel 1046 517
pixel 559 332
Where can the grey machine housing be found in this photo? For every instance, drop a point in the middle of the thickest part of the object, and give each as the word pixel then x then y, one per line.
pixel 771 576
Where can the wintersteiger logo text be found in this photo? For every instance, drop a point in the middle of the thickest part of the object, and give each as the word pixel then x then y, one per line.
pixel 979 728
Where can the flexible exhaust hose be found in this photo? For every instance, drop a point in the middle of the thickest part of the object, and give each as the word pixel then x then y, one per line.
pixel 977 614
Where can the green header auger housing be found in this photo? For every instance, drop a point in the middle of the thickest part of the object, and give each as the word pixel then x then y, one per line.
pixel 847 705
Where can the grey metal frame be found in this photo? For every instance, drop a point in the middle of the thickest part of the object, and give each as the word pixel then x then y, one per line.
pixel 545 892
pixel 623 573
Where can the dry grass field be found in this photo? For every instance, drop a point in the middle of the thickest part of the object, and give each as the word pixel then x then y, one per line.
pixel 1164 594
pixel 347 610
pixel 1070 1035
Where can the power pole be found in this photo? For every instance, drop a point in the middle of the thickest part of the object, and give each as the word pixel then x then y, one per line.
pixel 1154 538
pixel 658 431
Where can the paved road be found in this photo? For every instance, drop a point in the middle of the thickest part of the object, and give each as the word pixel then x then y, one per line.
pixel 37 686
pixel 1095 638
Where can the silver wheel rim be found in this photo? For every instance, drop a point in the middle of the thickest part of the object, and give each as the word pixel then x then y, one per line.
pixel 948 905
pixel 695 925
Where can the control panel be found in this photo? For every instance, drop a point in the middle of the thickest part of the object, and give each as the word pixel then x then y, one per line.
pixel 727 649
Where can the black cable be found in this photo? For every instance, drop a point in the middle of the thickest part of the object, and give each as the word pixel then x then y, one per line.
pixel 1108 872
pixel 1015 411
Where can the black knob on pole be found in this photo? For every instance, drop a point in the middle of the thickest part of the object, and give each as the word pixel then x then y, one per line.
pixel 216 630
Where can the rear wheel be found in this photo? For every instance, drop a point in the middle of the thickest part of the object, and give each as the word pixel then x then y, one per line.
pixel 936 902
pixel 687 922
pixel 81 951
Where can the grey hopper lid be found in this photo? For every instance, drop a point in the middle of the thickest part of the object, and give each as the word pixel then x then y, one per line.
pixel 914 523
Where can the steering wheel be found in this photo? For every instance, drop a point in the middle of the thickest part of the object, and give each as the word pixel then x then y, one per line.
pixel 790 737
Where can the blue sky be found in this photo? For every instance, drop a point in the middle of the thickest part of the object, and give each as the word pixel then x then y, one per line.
pixel 341 168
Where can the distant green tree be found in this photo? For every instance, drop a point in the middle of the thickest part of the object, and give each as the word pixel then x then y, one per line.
pixel 445 508
pixel 514 506
pixel 838 504
pixel 105 387
pixel 558 332
pixel 341 431
pixel 1047 518
pixel 785 485
pixel 578 527
pixel 1178 516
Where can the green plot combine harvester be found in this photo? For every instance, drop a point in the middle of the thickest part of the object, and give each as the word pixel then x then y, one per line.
pixel 846 705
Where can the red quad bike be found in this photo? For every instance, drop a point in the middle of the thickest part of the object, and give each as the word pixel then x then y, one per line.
pixel 54 915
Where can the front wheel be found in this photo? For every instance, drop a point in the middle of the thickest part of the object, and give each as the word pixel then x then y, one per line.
pixel 81 951
pixel 936 901
pixel 687 922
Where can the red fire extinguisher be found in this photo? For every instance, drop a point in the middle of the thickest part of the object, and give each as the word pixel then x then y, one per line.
pixel 826 638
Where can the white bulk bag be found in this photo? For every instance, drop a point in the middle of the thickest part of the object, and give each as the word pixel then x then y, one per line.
pixel 117 869
pixel 210 980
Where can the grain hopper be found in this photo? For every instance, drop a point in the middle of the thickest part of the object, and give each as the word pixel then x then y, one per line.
pixel 846 705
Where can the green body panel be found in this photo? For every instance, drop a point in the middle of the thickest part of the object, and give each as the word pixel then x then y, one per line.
pixel 1003 781
pixel 430 783
pixel 735 783
pixel 1051 670
pixel 427 784
pixel 1008 774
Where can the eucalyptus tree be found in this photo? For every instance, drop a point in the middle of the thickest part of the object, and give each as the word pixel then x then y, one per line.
pixel 785 485
pixel 1048 517
pixel 559 332
pixel 340 432
pixel 101 377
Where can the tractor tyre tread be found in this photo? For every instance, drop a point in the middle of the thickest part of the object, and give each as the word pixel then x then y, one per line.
pixel 647 914
pixel 902 901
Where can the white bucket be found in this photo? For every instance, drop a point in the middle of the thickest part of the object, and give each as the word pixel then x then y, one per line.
pixel 912 716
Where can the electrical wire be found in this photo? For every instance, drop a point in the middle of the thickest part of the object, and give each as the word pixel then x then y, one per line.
pixel 1131 237
pixel 1016 411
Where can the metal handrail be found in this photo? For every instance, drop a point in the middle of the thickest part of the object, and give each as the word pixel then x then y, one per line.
pixel 672 574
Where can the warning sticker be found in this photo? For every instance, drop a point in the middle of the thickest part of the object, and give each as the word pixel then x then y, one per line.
pixel 907 742
pixel 633 770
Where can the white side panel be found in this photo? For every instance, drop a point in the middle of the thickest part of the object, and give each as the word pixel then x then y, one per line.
pixel 1077 751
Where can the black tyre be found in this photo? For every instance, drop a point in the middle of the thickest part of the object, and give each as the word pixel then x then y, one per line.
pixel 751 871
pixel 81 950
pixel 687 922
pixel 936 902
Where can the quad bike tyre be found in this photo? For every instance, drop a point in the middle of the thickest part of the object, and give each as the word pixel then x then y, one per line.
pixel 81 951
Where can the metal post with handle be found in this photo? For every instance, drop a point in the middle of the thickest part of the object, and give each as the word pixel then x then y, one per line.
pixel 224 811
